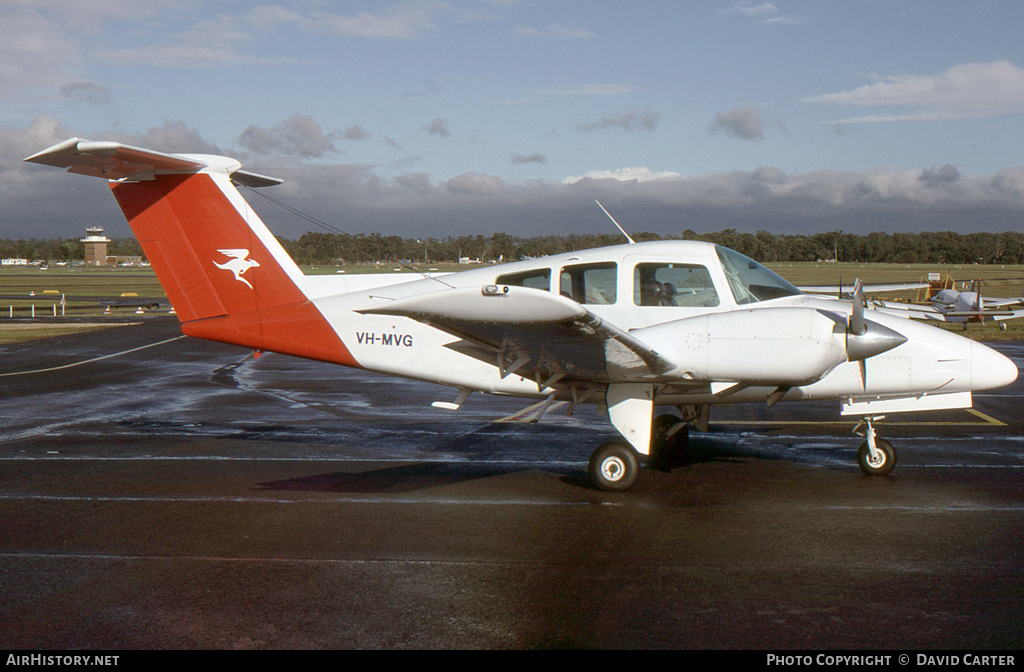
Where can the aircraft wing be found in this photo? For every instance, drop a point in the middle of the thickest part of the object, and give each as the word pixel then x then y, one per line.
pixel 987 314
pixel 999 302
pixel 868 289
pixel 534 333
pixel 1006 315
pixel 914 311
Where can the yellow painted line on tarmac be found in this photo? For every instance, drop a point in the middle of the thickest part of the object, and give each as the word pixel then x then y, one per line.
pixel 786 423
pixel 989 421
pixel 988 418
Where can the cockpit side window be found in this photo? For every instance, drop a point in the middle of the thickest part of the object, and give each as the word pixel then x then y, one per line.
pixel 673 285
pixel 589 283
pixel 751 282
pixel 536 279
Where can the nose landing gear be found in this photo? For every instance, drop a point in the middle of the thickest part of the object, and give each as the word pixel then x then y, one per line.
pixel 876 456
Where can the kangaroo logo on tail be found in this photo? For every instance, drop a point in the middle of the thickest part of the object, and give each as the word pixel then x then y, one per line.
pixel 238 264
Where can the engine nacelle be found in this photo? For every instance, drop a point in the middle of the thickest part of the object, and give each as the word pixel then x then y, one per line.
pixel 765 346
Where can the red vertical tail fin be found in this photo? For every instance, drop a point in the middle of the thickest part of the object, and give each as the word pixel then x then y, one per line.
pixel 226 275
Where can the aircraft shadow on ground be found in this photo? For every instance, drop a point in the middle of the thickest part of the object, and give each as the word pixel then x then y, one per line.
pixel 398 479
pixel 424 475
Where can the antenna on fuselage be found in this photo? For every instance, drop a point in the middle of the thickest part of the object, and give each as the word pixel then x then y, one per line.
pixel 631 241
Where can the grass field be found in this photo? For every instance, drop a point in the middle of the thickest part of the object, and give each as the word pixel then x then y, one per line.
pixel 19 332
pixel 77 284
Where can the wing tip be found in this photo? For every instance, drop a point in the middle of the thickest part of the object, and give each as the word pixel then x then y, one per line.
pixel 54 153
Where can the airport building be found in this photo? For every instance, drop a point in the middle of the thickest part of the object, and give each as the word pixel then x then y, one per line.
pixel 95 246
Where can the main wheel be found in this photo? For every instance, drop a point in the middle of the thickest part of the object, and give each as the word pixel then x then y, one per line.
pixel 614 467
pixel 885 463
pixel 666 451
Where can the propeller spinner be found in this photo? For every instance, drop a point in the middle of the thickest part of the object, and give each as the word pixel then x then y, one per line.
pixel 865 338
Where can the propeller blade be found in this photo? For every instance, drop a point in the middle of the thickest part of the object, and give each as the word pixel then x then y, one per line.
pixel 857 326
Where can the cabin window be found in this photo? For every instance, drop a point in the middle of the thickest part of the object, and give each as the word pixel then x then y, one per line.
pixel 589 283
pixel 536 279
pixel 673 285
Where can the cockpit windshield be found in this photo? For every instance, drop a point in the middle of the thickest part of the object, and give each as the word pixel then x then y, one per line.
pixel 751 282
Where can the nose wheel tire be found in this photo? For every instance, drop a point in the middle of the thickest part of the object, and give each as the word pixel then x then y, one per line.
pixel 883 464
pixel 614 467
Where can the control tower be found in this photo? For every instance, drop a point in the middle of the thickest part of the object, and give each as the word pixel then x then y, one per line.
pixel 95 246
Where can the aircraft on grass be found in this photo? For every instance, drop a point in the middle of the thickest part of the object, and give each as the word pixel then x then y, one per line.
pixel 961 306
pixel 942 302
pixel 630 327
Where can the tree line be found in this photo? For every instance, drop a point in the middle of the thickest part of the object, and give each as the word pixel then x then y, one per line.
pixel 61 249
pixel 315 248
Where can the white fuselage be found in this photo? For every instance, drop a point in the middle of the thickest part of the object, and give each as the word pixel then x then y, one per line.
pixel 931 361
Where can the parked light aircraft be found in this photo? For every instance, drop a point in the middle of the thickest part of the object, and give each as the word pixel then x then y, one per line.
pixel 960 306
pixel 631 327
pixel 944 305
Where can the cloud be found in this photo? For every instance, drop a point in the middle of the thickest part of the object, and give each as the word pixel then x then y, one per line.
pixel 204 44
pixel 405 21
pixel 739 122
pixel 172 137
pixel 296 136
pixel 517 159
pixel 966 91
pixel 419 182
pixel 630 121
pixel 764 13
pixel 356 133
pixel 438 127
pixel 639 174
pixel 476 184
pixel 428 89
pixel 755 11
pixel 88 92
pixel 224 39
pixel 555 33
pixel 934 177
pixel 43 202
pixel 588 90
pixel 42 132
pixel 35 51
pixel 1010 180
pixel 769 174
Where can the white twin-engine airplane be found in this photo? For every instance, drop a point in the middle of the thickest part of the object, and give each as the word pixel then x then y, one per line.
pixel 630 327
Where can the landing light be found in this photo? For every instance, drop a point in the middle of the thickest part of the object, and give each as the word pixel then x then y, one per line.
pixel 495 290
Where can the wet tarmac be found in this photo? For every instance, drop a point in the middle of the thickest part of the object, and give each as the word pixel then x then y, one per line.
pixel 185 495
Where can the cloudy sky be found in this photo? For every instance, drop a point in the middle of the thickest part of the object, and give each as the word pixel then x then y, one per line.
pixel 431 118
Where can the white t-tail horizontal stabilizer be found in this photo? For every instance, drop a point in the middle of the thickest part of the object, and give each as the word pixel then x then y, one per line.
pixel 115 161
